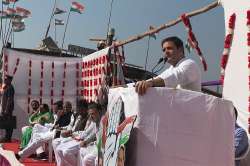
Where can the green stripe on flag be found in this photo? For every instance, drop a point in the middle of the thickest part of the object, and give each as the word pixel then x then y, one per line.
pixel 75 10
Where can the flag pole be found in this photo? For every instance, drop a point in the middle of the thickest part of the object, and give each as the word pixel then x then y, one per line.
pixel 51 17
pixel 10 26
pixel 1 28
pixel 65 29
pixel 55 31
pixel 109 20
pixel 13 38
pixel 5 29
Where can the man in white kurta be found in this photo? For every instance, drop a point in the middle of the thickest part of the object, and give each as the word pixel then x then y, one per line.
pixel 183 72
pixel 67 152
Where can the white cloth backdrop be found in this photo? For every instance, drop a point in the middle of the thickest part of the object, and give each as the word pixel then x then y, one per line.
pixel 21 77
pixel 20 81
pixel 236 75
pixel 179 127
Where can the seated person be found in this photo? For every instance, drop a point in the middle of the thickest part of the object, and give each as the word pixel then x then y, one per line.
pixel 240 140
pixel 78 119
pixel 27 130
pixel 43 116
pixel 67 152
pixel 88 149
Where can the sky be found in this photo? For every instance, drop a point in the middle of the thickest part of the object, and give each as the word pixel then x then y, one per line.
pixel 129 18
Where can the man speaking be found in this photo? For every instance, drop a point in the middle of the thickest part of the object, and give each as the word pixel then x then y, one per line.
pixel 183 73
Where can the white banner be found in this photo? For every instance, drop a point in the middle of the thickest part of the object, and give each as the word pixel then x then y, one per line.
pixel 178 128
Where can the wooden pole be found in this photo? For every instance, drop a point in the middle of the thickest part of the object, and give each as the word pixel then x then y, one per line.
pixel 167 25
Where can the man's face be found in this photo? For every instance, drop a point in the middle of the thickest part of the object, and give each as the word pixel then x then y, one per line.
pixel 171 52
pixel 67 107
pixel 82 111
pixel 42 109
pixel 54 108
pixel 34 105
pixel 93 114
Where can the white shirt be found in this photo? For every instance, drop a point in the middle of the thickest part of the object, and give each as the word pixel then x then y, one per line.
pixel 186 75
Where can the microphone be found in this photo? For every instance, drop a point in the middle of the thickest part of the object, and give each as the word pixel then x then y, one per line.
pixel 159 61
pixel 165 60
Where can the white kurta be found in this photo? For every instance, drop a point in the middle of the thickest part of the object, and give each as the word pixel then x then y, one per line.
pixel 66 152
pixel 186 75
pixel 40 135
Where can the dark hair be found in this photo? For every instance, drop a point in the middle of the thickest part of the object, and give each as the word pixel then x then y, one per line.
pixel 9 77
pixel 177 41
pixel 46 107
pixel 35 101
pixel 82 104
pixel 235 113
pixel 59 104
pixel 94 105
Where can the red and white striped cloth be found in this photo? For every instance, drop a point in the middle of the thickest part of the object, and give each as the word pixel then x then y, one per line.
pixel 227 46
pixel 94 71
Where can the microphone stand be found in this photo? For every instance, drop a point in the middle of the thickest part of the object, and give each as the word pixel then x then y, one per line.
pixel 159 62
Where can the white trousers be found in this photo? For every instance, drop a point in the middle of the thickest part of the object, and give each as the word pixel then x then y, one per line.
pixel 67 153
pixel 55 143
pixel 88 156
pixel 40 135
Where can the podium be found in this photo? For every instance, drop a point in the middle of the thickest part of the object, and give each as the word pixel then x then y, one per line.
pixel 177 127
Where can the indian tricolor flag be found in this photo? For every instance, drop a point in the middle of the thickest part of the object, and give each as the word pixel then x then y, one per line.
pixel 77 7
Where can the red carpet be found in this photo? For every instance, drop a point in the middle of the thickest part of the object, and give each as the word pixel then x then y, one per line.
pixel 13 146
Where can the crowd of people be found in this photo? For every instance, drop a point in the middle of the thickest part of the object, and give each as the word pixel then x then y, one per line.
pixel 73 133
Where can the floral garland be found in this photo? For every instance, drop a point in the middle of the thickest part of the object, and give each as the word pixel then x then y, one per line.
pixel 63 81
pixel 227 46
pixel 93 76
pixel 41 83
pixel 52 84
pixel 77 79
pixel 5 64
pixel 15 69
pixel 192 40
pixel 248 43
pixel 29 85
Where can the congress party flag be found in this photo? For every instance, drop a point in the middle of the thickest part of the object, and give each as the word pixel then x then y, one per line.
pixel 77 7
pixel 22 12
